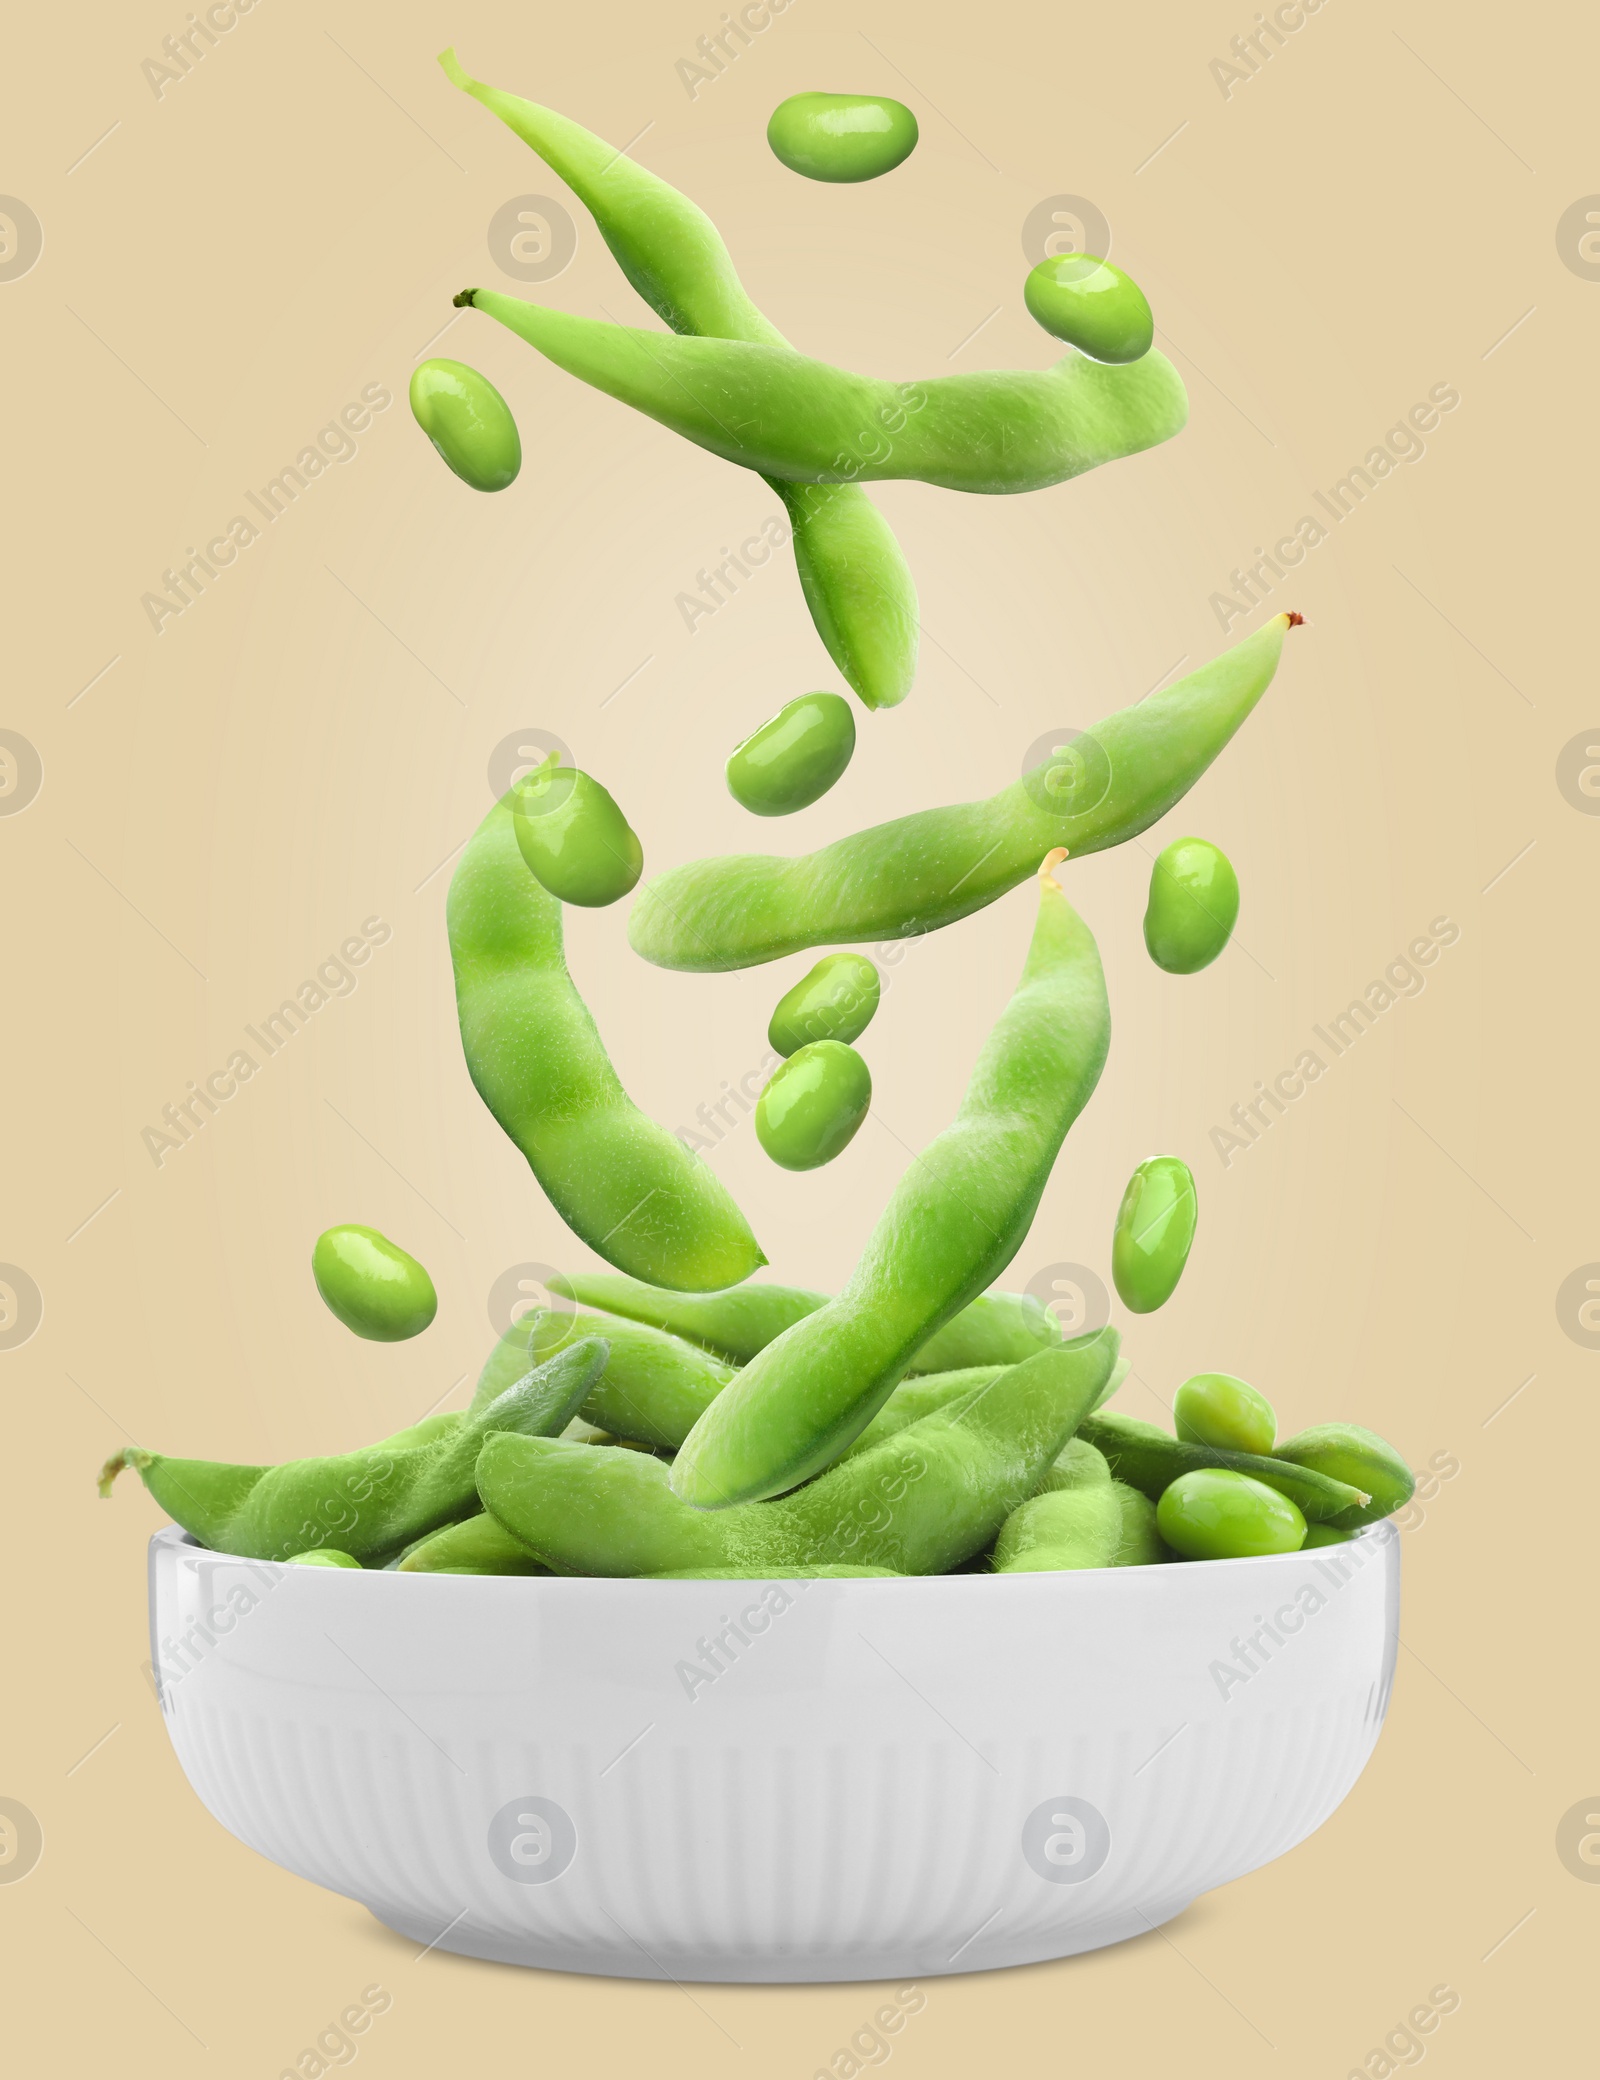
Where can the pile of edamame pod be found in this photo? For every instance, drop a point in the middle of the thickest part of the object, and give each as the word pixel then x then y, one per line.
pixel 674 1416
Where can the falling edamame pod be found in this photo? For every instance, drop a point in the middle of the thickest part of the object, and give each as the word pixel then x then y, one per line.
pixel 857 586
pixel 1362 1459
pixel 468 421
pixel 1154 1233
pixel 368 1503
pixel 919 1503
pixel 1215 1408
pixel 574 838
pixel 623 1184
pixel 835 1001
pixel 994 1329
pixel 372 1285
pixel 1215 1513
pixel 956 1219
pixel 654 1387
pixel 931 868
pixel 784 415
pixel 1193 907
pixel 792 760
pixel 812 1106
pixel 842 137
pixel 1092 305
pixel 1150 1460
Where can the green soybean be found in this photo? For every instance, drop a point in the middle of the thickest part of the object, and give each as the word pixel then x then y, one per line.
pixel 842 137
pixel 1154 1233
pixel 623 1184
pixel 919 1503
pixel 1150 1460
pixel 784 415
pixel 994 1329
pixel 923 871
pixel 956 1219
pixel 1215 1408
pixel 468 421
pixel 792 760
pixel 477 1545
pixel 367 1504
pixel 653 1388
pixel 573 836
pixel 372 1285
pixel 811 1108
pixel 324 1556
pixel 1062 1528
pixel 1092 305
pixel 856 583
pixel 1360 1458
pixel 1193 907
pixel 1216 1514
pixel 835 1001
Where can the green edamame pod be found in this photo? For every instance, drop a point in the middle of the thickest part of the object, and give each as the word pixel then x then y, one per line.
pixel 919 1503
pixel 1325 1535
pixel 922 1395
pixel 324 1556
pixel 957 1217
pixel 1362 1459
pixel 366 1504
pixel 1092 305
pixel 626 1186
pixel 994 1329
pixel 1215 1408
pixel 1149 1460
pixel 1154 1233
pixel 477 1545
pixel 842 137
pixel 1141 1544
pixel 653 1387
pixel 1062 1528
pixel 794 758
pixel 1193 907
pixel 785 415
pixel 772 1574
pixel 927 870
pixel 812 1106
pixel 573 836
pixel 835 1001
pixel 1078 1464
pixel 856 583
pixel 372 1285
pixel 1216 1513
pixel 1119 1374
pixel 468 421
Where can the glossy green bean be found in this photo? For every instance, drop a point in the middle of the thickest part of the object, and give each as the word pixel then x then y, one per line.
pixel 573 837
pixel 994 1329
pixel 956 1219
pixel 784 415
pixel 1217 1513
pixel 324 1556
pixel 842 137
pixel 468 422
pixel 1215 1408
pixel 1150 1460
pixel 366 1503
pixel 1092 305
pixel 836 1000
pixel 374 1287
pixel 794 757
pixel 920 1503
pixel 855 580
pixel 625 1185
pixel 927 870
pixel 1154 1233
pixel 1193 906
pixel 813 1104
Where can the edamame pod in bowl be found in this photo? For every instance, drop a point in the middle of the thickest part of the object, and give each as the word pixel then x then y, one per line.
pixel 923 871
pixel 623 1184
pixel 856 584
pixel 1150 1460
pixel 784 415
pixel 652 1391
pixel 956 1219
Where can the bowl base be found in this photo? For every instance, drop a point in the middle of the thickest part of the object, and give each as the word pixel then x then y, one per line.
pixel 991 1952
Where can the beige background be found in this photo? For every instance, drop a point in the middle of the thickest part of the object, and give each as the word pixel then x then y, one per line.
pixel 1375 212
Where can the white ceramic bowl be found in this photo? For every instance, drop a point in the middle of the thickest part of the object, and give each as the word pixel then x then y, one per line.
pixel 866 1779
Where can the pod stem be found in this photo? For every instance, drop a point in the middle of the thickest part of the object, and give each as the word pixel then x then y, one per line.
pixel 464 300
pixel 130 1455
pixel 1048 864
